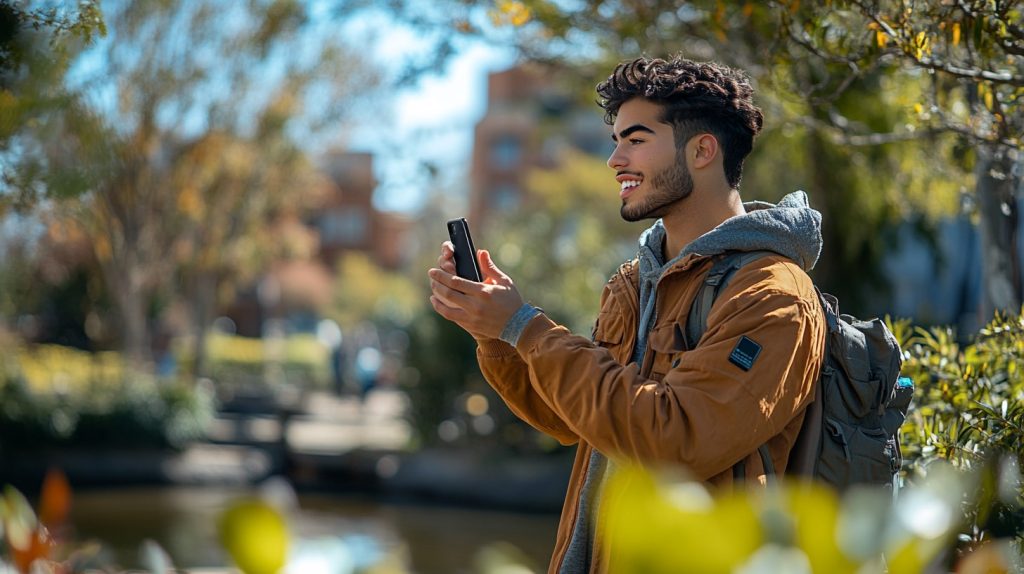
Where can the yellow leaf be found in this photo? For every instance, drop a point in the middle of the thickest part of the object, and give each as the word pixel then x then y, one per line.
pixel 918 108
pixel 510 12
pixel 956 34
pixel 638 513
pixel 816 510
pixel 882 38
pixel 989 99
pixel 256 537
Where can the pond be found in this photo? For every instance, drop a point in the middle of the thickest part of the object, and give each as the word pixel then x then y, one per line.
pixel 433 539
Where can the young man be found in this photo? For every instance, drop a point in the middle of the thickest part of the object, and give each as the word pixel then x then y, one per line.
pixel 634 393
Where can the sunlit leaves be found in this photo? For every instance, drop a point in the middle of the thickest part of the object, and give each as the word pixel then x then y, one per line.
pixel 708 536
pixel 793 527
pixel 510 13
pixel 969 400
pixel 366 292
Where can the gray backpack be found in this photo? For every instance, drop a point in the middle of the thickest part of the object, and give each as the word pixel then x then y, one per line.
pixel 850 433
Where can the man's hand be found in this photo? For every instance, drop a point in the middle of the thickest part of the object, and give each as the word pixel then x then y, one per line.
pixel 482 309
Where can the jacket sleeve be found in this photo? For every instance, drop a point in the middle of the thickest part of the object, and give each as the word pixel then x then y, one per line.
pixel 508 374
pixel 706 413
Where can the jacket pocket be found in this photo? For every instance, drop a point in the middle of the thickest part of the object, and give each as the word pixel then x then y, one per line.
pixel 608 329
pixel 667 344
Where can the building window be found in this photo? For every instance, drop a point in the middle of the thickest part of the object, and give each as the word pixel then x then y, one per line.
pixel 344 227
pixel 506 152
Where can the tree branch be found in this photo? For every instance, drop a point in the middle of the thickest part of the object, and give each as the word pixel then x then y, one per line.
pixel 969 73
pixel 840 136
pixel 935 63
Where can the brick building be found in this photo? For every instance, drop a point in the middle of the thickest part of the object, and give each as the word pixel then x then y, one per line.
pixel 347 221
pixel 529 118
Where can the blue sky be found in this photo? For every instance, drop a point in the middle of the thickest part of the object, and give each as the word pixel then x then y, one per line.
pixel 431 120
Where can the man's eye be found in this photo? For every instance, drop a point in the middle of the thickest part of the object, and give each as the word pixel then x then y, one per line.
pixel 635 141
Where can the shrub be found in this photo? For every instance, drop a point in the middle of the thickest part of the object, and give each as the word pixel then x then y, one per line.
pixel 235 360
pixel 968 410
pixel 73 399
pixel 969 400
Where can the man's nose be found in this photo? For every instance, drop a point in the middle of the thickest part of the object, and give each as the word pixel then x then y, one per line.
pixel 616 160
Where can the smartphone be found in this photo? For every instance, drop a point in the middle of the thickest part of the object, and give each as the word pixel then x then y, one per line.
pixel 466 265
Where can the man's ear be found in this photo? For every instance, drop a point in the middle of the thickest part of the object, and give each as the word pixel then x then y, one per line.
pixel 705 150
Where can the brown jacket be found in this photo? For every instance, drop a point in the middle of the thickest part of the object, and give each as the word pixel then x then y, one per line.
pixel 690 408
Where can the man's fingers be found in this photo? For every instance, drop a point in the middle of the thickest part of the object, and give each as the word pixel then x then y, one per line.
pixel 452 281
pixel 453 314
pixel 449 296
pixel 446 260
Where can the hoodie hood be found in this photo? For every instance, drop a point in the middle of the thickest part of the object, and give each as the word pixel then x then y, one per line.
pixel 790 228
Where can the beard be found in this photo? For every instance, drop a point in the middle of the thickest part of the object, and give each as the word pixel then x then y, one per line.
pixel 668 187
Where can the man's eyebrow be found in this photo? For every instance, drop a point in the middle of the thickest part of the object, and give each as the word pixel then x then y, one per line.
pixel 631 129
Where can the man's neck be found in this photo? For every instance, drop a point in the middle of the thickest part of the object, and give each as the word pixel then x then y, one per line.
pixel 698 214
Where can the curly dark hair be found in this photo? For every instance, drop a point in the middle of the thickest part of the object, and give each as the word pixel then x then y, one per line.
pixel 697 97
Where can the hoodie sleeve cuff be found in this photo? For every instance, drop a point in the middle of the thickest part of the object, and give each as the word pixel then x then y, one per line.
pixel 517 322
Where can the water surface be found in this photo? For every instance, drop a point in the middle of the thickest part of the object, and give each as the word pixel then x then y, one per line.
pixel 435 539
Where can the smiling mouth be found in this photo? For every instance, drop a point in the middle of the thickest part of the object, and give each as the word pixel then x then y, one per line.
pixel 627 186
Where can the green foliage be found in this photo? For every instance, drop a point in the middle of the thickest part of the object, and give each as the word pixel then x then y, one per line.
pixel 61 398
pixel 970 51
pixel 365 292
pixel 444 359
pixel 969 400
pixel 244 361
pixel 181 155
pixel 968 407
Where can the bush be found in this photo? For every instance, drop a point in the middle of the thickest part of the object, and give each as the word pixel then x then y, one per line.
pixel 86 401
pixel 968 410
pixel 969 402
pixel 234 360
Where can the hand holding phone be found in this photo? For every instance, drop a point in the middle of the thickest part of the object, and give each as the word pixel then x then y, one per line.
pixel 466 265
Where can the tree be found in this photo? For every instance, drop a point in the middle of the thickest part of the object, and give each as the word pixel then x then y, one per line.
pixel 37 44
pixel 187 143
pixel 970 54
pixel 823 66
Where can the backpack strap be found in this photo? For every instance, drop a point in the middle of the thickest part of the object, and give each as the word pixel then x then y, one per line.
pixel 716 279
pixel 722 270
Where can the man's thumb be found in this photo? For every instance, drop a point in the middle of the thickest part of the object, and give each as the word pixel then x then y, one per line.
pixel 489 269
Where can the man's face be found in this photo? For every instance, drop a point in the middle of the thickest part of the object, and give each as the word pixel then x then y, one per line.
pixel 651 173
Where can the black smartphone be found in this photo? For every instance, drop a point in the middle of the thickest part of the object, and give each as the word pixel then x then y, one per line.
pixel 466 265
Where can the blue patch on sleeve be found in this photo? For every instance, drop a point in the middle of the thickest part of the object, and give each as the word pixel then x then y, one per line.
pixel 745 353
